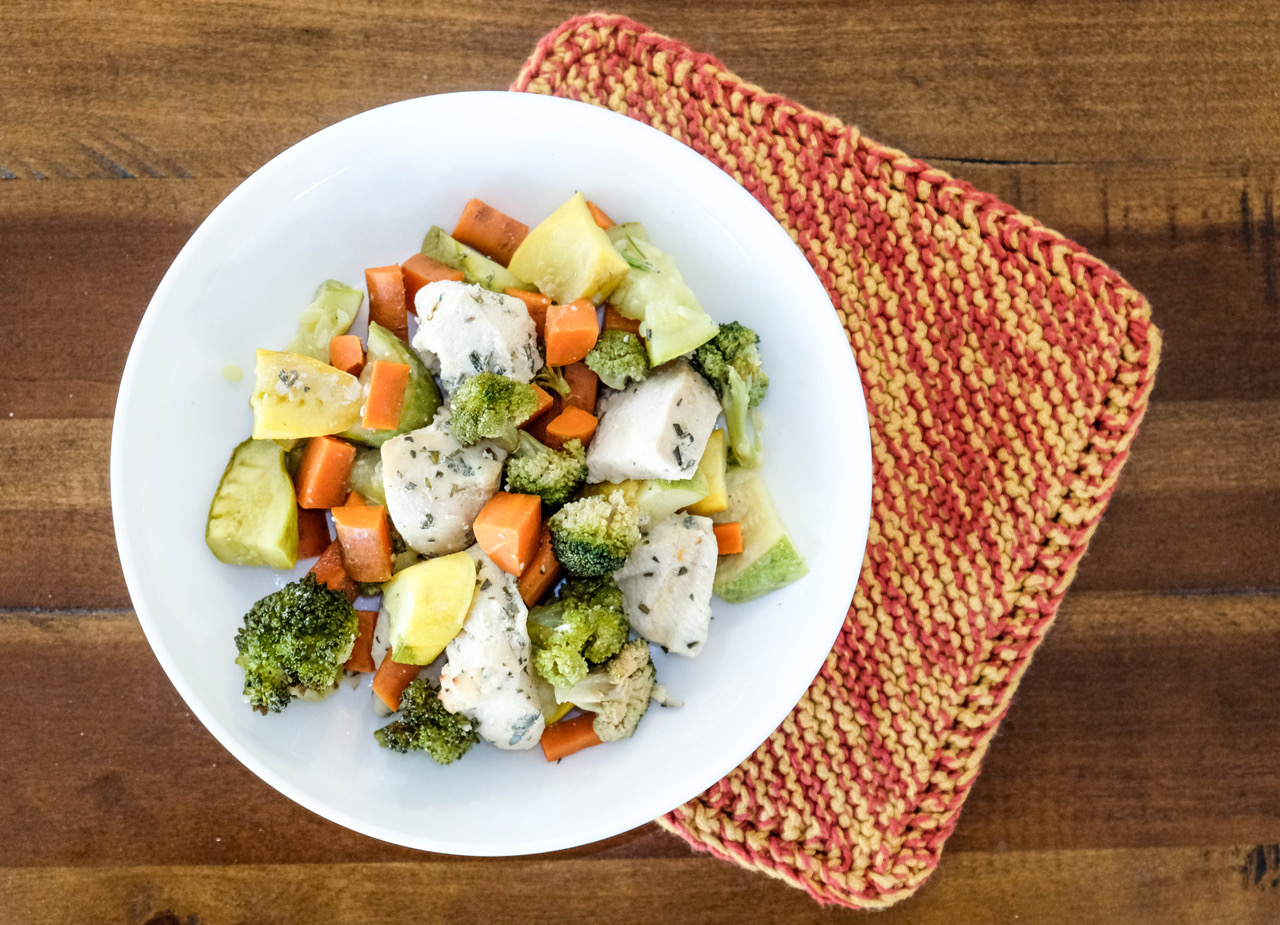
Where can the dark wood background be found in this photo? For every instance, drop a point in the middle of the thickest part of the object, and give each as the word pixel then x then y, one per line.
pixel 1137 776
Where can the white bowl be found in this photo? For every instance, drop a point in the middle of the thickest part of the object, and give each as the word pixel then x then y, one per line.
pixel 362 193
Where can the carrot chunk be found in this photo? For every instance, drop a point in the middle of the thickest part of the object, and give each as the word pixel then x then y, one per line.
pixel 537 303
pixel 313 532
pixel 493 233
pixel 571 331
pixel 542 574
pixel 386 299
pixel 597 213
pixel 728 538
pixel 614 320
pixel 347 354
pixel 324 472
pixel 365 535
pixel 362 652
pixel 562 739
pixel 388 383
pixel 545 403
pixel 572 423
pixel 508 529
pixel 392 678
pixel 419 270
pixel 583 386
pixel 331 573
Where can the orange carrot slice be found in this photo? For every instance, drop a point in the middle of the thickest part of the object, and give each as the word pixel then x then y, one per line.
pixel 313 532
pixel 387 300
pixel 388 383
pixel 537 303
pixel 542 574
pixel 508 529
pixel 562 739
pixel 365 534
pixel 493 233
pixel 597 213
pixel 614 320
pixel 324 472
pixel 391 679
pixel 572 423
pixel 331 573
pixel 571 331
pixel 584 385
pixel 362 652
pixel 728 538
pixel 419 270
pixel 347 354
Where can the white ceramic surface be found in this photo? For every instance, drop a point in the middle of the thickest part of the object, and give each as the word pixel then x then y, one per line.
pixel 362 193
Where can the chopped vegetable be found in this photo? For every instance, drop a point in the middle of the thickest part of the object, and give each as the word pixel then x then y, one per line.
pixel 313 533
pixel 331 573
pixel 294 643
pixel 324 472
pixel 712 466
pixel 618 692
pixel 618 358
pixel 585 625
pixel 562 739
pixel 331 312
pixel 545 403
pixel 365 535
pixel 488 406
pixel 299 396
pixel 419 270
pixel 391 679
pixel 598 215
pixel 553 475
pixel 476 267
pixel 361 659
pixel 425 725
pixel 493 233
pixel 366 476
pixel 570 424
pixel 568 256
pixel 614 320
pixel 421 396
pixel 571 331
pixel 542 574
pixel 731 363
pixel 427 604
pixel 728 538
pixel 508 529
pixel 769 560
pixel 346 353
pixel 388 384
pixel 253 518
pixel 583 384
pixel 386 299
pixel 592 536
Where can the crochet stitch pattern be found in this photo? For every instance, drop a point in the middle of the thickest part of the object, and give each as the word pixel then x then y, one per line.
pixel 1005 371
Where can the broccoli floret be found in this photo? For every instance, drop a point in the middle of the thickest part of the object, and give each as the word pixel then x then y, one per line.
pixel 425 725
pixel 585 624
pixel 294 643
pixel 552 379
pixel 617 692
pixel 553 475
pixel 592 536
pixel 731 363
pixel 617 358
pixel 488 406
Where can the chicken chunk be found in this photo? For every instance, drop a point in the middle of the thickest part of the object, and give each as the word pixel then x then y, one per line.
pixel 464 330
pixel 487 675
pixel 655 429
pixel 435 486
pixel 666 583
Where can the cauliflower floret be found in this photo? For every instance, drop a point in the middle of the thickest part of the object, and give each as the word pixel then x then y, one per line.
pixel 618 692
pixel 464 330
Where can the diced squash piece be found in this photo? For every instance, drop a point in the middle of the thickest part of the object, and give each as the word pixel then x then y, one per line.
pixel 568 256
pixel 426 606
pixel 298 396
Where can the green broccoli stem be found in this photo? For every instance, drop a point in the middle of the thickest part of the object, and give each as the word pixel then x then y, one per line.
pixel 743 425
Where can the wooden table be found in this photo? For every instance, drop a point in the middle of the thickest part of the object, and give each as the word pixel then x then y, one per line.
pixel 1137 776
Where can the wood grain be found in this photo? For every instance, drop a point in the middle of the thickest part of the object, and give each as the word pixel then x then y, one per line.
pixel 1134 777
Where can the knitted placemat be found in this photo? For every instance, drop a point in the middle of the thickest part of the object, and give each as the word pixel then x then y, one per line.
pixel 1005 371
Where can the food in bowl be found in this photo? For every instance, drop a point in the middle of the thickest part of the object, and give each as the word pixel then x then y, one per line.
pixel 520 466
